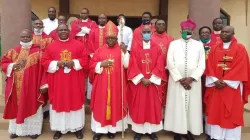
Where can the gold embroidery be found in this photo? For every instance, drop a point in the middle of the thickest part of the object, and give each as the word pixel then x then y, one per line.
pixel 227 57
pixel 147 61
pixel 101 37
pixel 66 55
pixel 164 50
pixel 12 54
pixel 223 64
pixel 109 71
pixel 42 42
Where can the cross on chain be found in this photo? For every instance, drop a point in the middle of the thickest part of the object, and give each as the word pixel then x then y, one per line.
pixel 147 61
pixel 224 65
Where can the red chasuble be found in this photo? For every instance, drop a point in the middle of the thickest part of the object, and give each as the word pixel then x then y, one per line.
pixel 225 107
pixel 137 35
pixel 42 40
pixel 66 90
pixel 76 28
pixel 106 96
pixel 22 96
pixel 145 103
pixel 96 39
pixel 215 37
pixel 163 40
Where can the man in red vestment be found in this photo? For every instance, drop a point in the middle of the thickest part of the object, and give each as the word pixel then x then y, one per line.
pixel 108 63
pixel 61 20
pixel 65 60
pixel 163 40
pixel 146 73
pixel 23 101
pixel 40 38
pixel 146 18
pixel 227 82
pixel 81 27
pixel 217 27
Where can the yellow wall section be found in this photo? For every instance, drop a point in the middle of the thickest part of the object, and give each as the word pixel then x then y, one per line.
pixel 115 7
pixel 40 7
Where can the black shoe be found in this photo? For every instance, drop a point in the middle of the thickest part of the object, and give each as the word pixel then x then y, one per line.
pixel 111 135
pixel 13 136
pixel 45 114
pixel 177 137
pixel 97 136
pixel 79 134
pixel 34 136
pixel 57 135
pixel 209 138
pixel 153 136
pixel 189 136
pixel 137 136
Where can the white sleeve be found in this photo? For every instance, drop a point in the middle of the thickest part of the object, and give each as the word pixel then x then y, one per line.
pixel 130 38
pixel 53 67
pixel 232 84
pixel 44 86
pixel 155 79
pixel 9 69
pixel 98 68
pixel 136 80
pixel 210 81
pixel 174 72
pixel 77 65
pixel 125 59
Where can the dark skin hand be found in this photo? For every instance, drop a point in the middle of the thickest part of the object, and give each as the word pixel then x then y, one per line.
pixel 107 63
pixel 19 65
pixel 145 82
pixel 220 84
pixel 123 47
pixel 185 82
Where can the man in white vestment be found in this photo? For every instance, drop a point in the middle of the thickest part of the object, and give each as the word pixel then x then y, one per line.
pixel 186 64
pixel 50 23
pixel 125 34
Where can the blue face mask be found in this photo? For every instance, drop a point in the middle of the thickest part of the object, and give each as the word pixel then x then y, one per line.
pixel 146 36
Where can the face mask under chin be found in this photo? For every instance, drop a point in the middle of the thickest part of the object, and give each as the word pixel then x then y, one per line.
pixel 27 44
pixel 186 35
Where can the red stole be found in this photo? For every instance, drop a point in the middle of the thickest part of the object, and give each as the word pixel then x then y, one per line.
pixel 225 107
pixel 76 28
pixel 146 100
pixel 62 94
pixel 106 97
pixel 96 39
pixel 22 96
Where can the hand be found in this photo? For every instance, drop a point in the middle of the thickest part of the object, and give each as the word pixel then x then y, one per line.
pixel 17 67
pixel 187 81
pixel 186 87
pixel 43 90
pixel 123 47
pixel 220 84
pixel 145 82
pixel 107 63
pixel 69 64
pixel 61 64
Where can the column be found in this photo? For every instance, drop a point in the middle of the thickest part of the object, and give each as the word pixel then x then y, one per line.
pixel 202 12
pixel 15 16
pixel 64 8
pixel 163 10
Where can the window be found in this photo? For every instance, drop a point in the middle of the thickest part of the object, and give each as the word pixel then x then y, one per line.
pixel 225 17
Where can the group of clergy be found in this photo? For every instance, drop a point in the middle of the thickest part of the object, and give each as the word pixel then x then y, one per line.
pixel 130 78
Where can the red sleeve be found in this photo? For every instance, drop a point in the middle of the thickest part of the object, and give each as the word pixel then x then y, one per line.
pixel 133 69
pixel 93 62
pixel 7 59
pixel 46 58
pixel 74 28
pixel 90 43
pixel 159 69
pixel 83 58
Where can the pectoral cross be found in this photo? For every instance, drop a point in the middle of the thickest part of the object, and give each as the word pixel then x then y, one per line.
pixel 224 65
pixel 147 61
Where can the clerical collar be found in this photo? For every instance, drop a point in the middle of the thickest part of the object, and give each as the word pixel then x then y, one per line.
pixel 226 45
pixel 64 40
pixel 86 20
pixel 146 45
pixel 217 32
pixel 101 27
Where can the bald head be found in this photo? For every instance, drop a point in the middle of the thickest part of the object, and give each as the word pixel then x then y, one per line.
pixel 102 19
pixel 25 36
pixel 227 33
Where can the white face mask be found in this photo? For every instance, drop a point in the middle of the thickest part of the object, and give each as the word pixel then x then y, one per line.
pixel 26 45
pixel 38 31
